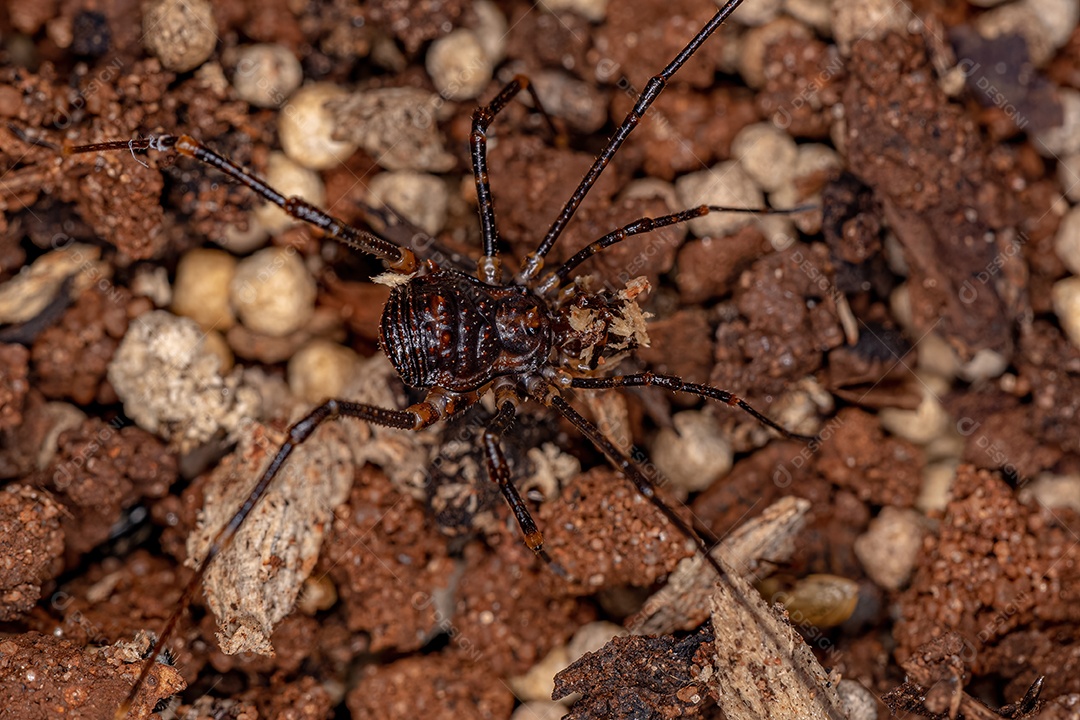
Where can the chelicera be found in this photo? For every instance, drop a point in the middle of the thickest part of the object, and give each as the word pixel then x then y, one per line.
pixel 459 337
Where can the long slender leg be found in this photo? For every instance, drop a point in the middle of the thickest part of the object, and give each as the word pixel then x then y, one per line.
pixel 652 90
pixel 415 417
pixel 644 225
pixel 672 382
pixel 499 472
pixel 624 464
pixel 397 258
pixel 483 116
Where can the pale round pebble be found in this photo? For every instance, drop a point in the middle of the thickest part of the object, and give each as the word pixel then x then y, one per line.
pixel 289 178
pixel 491 30
pixel 859 702
pixel 694 454
pixel 936 356
pixel 306 127
pixel 757 13
pixel 1069 176
pixel 243 239
pixel 581 105
pixel 1058 17
pixel 1066 297
pixel 266 74
pixel 926 422
pixel 398 127
pixel 890 547
pixel 1067 240
pixel 936 490
pixel 725 184
pixel 321 370
pixel 201 288
pixel 985 365
pixel 815 13
pixel 216 344
pixel 459 66
pixel 420 198
pixel 594 10
pixel 539 710
pixel 1065 138
pixel 181 34
pixel 1016 19
pixel 592 636
pixel 273 293
pixel 855 20
pixel 767 153
pixel 1053 491
pixel 538 682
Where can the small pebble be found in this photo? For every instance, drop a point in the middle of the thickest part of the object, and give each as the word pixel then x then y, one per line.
pixel 201 288
pixel 815 13
pixel 926 422
pixel 1053 491
pixel 418 197
pixel 538 682
pixel 859 702
pixel 1058 17
pixel 936 356
pixel 821 600
pixel 767 153
pixel 153 283
pixel 459 66
pixel 491 30
pixel 172 386
pixel 1066 297
pixel 889 548
pixel 725 184
pixel 322 370
pixel 855 20
pixel 1069 176
pixel 289 178
pixel 1067 240
pixel 306 128
pixel 182 34
pixel 1065 138
pixel 28 293
pixel 216 344
pixel 758 13
pixel 539 710
pixel 580 104
pixel 594 10
pixel 272 292
pixel 396 126
pixel 242 238
pixel 694 454
pixel 985 365
pixel 937 480
pixel 266 74
pixel 592 636
pixel 1016 19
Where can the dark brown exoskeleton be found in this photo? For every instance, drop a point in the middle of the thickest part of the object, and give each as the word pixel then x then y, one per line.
pixel 458 337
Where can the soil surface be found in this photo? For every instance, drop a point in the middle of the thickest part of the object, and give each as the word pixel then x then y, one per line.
pixel 920 318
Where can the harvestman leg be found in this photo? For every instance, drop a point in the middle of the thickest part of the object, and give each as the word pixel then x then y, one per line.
pixel 652 90
pixel 677 384
pixel 483 116
pixel 415 417
pixel 397 258
pixel 499 472
pixel 639 226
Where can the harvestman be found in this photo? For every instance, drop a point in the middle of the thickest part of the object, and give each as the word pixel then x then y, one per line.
pixel 459 337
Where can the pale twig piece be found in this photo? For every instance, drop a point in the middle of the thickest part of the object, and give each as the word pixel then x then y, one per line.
pixel 763 669
pixel 686 601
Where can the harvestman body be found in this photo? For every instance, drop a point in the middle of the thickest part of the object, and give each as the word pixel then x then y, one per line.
pixel 458 337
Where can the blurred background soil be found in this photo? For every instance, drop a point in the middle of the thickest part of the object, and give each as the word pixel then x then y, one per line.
pixel 160 328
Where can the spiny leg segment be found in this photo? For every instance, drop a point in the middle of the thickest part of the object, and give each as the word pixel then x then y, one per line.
pixel 652 90
pixel 398 259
